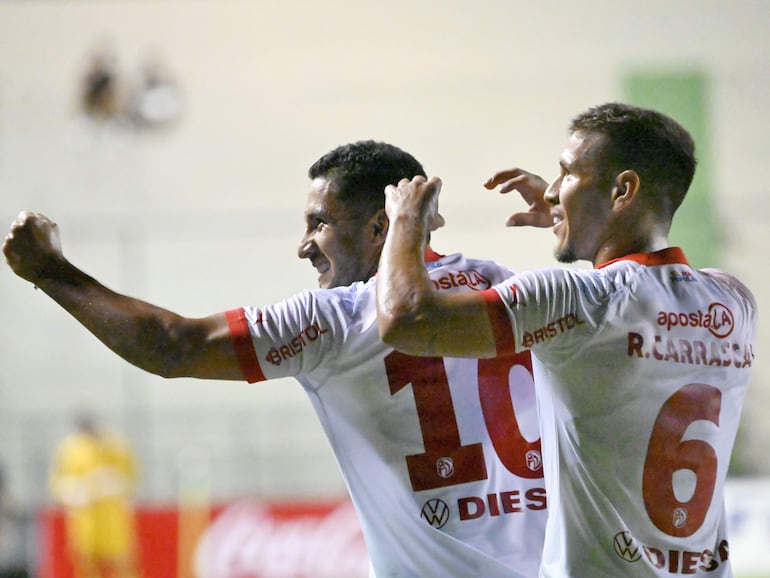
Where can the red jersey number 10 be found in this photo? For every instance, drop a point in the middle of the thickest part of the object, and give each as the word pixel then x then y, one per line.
pixel 446 462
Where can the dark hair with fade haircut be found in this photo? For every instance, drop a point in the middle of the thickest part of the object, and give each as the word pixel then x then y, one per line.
pixel 654 145
pixel 361 171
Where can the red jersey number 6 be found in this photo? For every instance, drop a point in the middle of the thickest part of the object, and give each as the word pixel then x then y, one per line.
pixel 667 454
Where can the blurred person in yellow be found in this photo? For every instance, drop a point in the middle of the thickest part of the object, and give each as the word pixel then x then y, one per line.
pixel 93 475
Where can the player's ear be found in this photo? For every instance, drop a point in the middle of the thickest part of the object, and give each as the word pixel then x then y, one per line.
pixel 378 225
pixel 626 188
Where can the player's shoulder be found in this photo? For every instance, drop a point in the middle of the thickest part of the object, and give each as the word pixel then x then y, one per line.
pixel 343 293
pixel 459 262
pixel 348 298
pixel 458 272
pixel 329 303
pixel 731 284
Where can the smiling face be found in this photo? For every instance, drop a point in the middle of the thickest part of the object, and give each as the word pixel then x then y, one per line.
pixel 581 199
pixel 342 244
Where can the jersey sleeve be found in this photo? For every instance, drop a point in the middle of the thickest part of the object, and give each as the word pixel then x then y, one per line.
pixel 292 337
pixel 547 308
pixel 737 287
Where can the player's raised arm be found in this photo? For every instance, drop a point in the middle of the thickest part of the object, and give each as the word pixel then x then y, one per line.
pixel 150 337
pixel 412 316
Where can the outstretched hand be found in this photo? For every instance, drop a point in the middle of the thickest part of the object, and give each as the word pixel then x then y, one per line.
pixel 415 197
pixel 532 188
pixel 32 245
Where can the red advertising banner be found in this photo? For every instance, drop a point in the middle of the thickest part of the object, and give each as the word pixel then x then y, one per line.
pixel 242 539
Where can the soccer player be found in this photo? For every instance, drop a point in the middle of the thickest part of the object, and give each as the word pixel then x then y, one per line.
pixel 441 456
pixel 93 476
pixel 641 364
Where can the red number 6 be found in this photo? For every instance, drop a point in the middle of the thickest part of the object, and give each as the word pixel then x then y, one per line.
pixel 667 454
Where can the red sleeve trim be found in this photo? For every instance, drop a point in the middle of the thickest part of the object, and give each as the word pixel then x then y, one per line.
pixel 501 327
pixel 244 347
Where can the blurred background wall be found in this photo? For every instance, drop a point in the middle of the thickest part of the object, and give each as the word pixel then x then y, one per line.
pixel 192 196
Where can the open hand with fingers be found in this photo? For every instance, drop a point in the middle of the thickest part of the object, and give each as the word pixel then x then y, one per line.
pixel 532 189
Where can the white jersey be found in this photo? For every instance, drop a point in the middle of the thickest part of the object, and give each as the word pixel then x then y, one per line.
pixel 441 456
pixel 641 368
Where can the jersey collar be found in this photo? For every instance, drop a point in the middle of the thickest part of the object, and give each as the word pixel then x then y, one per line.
pixel 668 256
pixel 431 256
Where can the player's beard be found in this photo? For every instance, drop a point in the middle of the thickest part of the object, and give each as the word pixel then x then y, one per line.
pixel 565 254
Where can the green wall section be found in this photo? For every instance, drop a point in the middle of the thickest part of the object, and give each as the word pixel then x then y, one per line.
pixel 683 95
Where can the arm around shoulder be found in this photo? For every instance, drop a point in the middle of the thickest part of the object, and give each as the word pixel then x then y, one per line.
pixel 412 315
pixel 453 325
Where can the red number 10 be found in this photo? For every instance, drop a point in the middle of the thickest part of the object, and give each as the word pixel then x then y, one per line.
pixel 446 461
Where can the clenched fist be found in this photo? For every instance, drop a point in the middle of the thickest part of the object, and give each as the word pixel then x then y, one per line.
pixel 32 246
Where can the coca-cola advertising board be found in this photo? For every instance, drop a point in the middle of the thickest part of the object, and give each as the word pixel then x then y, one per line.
pixel 242 539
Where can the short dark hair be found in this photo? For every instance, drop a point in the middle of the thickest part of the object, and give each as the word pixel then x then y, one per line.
pixel 361 171
pixel 654 145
